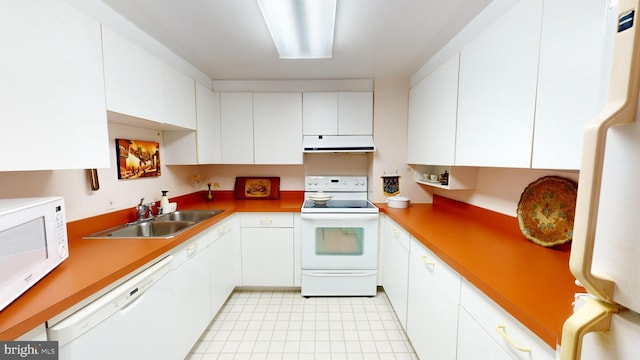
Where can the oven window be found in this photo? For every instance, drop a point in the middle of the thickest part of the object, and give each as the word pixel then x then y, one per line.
pixel 339 241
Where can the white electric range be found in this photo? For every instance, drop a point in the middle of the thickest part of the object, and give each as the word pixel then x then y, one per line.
pixel 339 241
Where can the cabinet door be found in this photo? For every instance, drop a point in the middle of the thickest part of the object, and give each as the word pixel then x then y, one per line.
pixel 320 113
pixel 432 116
pixel 53 107
pixel 497 92
pixel 236 124
pixel 502 329
pixel 222 266
pixel 192 289
pixel 139 85
pixel 432 311
pixel 209 139
pixel 474 342
pixel 355 113
pixel 277 127
pixel 395 269
pixel 189 147
pixel 572 80
pixel 267 256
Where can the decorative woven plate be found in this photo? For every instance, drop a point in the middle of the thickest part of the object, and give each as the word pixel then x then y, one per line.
pixel 546 210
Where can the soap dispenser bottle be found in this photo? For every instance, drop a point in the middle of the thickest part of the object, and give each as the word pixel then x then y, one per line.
pixel 164 202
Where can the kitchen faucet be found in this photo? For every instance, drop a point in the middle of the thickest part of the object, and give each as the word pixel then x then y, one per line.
pixel 142 210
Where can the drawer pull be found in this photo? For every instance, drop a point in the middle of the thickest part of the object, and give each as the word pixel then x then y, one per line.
pixel 192 248
pixel 266 222
pixel 426 262
pixel 500 330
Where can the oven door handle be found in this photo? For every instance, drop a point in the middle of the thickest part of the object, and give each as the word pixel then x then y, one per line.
pixel 338 216
pixel 342 274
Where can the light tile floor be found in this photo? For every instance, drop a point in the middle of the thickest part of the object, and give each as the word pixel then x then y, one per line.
pixel 285 325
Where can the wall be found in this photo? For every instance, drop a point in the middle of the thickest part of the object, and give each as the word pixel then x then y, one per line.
pixel 499 189
pixel 391 106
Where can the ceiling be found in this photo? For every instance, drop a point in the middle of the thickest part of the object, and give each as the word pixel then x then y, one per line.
pixel 228 39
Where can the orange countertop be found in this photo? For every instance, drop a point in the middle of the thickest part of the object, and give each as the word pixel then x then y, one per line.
pixel 531 282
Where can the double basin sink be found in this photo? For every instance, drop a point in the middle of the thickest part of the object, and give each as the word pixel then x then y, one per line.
pixel 162 226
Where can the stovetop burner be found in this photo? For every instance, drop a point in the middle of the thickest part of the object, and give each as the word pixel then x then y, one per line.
pixel 339 204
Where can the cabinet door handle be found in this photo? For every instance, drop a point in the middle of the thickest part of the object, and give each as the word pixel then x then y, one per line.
pixel 500 330
pixel 426 262
pixel 191 248
pixel 396 232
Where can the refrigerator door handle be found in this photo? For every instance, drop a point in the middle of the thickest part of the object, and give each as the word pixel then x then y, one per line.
pixel 620 109
pixel 593 316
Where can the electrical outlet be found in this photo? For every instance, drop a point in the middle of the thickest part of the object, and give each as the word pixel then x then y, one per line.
pixel 110 205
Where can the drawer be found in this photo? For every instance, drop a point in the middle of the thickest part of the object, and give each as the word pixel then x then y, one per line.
pixel 502 327
pixel 218 230
pixel 396 232
pixel 252 220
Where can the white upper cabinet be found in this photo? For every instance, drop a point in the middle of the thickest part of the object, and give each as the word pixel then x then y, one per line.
pixel 140 85
pixel 53 107
pixel 338 113
pixel 209 139
pixel 572 80
pixel 236 117
pixel 320 113
pixel 355 113
pixel 432 116
pixel 261 128
pixel 277 127
pixel 189 147
pixel 497 90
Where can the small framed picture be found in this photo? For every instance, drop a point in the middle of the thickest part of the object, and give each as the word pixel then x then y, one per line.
pixel 257 188
pixel 137 158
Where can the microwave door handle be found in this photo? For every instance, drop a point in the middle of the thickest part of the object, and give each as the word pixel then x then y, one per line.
pixel 620 109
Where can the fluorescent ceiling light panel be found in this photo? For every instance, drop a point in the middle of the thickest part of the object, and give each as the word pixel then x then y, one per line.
pixel 301 29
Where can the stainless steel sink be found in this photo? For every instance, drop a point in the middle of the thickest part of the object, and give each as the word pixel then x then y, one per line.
pixel 163 226
pixel 189 215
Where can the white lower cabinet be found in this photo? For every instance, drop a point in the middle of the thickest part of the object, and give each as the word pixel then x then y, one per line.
pixel 395 268
pixel 474 342
pixel 222 265
pixel 267 249
pixel 446 317
pixel 432 310
pixel 499 331
pixel 192 309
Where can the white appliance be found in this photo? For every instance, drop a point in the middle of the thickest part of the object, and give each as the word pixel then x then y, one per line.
pixel 606 243
pixel 338 143
pixel 33 241
pixel 129 322
pixel 339 237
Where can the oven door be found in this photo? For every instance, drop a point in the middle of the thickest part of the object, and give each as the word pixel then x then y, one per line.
pixel 339 241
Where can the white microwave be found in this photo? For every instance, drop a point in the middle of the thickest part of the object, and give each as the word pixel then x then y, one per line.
pixel 33 241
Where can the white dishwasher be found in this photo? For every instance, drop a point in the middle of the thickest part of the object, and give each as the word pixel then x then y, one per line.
pixel 129 322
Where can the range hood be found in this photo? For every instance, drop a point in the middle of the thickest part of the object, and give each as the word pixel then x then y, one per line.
pixel 338 143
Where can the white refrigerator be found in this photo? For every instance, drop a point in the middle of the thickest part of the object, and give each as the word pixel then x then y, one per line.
pixel 605 254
